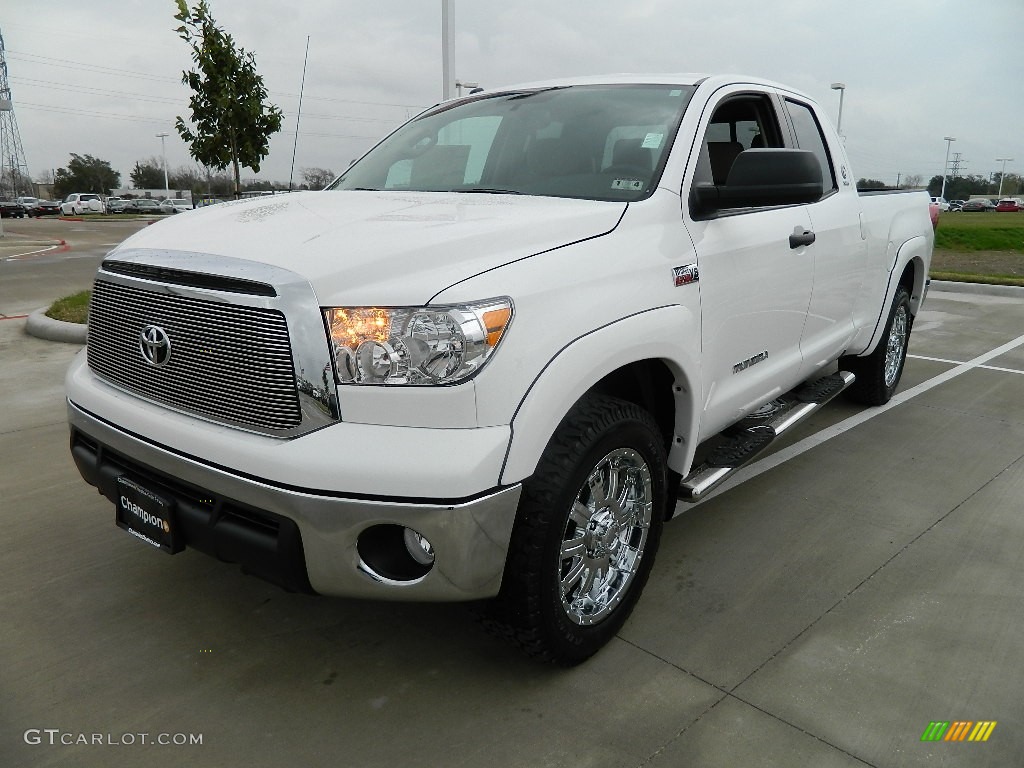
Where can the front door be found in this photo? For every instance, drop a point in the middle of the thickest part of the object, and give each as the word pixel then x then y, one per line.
pixel 755 286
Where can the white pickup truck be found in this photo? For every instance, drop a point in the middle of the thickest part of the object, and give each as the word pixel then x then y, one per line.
pixel 487 361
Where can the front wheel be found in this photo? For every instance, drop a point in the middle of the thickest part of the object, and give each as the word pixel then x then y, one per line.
pixel 879 373
pixel 586 533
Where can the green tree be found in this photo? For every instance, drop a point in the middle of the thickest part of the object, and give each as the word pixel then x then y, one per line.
pixel 232 123
pixel 870 184
pixel 147 174
pixel 85 173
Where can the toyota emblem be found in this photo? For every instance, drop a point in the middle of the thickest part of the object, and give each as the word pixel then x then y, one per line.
pixel 154 345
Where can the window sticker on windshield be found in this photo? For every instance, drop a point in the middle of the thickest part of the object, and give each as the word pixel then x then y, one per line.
pixel 630 185
pixel 652 140
pixel 675 92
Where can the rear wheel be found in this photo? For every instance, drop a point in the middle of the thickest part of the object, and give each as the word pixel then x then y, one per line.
pixel 586 534
pixel 879 373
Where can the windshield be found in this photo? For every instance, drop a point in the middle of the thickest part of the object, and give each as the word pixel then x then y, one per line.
pixel 605 142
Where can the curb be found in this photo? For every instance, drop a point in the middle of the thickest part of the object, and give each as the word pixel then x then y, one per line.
pixel 1015 291
pixel 43 327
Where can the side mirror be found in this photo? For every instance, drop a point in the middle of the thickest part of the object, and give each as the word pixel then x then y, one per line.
pixel 763 177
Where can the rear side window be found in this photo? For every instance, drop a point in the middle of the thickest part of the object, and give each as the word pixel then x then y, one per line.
pixel 809 136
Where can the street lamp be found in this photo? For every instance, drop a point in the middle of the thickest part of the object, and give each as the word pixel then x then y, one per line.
pixel 459 85
pixel 841 87
pixel 1002 174
pixel 949 140
pixel 163 155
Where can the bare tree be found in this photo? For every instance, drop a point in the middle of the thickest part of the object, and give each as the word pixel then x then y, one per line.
pixel 317 178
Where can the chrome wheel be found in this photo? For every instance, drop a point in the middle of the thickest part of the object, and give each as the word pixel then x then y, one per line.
pixel 895 346
pixel 605 535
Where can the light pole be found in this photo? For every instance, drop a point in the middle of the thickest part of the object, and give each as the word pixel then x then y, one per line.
pixel 163 155
pixel 459 85
pixel 949 140
pixel 446 69
pixel 1002 173
pixel 841 87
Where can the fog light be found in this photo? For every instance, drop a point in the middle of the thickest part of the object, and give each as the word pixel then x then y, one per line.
pixel 418 547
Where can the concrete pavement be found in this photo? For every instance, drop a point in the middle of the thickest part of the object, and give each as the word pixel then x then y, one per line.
pixel 864 581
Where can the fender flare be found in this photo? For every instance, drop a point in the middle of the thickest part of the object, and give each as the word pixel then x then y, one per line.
pixel 916 250
pixel 669 333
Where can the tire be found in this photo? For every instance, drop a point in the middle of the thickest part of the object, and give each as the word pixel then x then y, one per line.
pixel 586 533
pixel 878 374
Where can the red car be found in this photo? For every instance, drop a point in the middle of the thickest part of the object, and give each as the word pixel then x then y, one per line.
pixel 1008 204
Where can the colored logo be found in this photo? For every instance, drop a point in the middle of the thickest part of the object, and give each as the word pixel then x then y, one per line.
pixel 958 730
pixel 685 275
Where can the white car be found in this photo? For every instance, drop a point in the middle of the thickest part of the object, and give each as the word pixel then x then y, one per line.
pixel 941 202
pixel 78 203
pixel 175 205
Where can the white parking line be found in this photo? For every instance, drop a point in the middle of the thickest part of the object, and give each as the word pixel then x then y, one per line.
pixel 19 256
pixel 957 362
pixel 813 441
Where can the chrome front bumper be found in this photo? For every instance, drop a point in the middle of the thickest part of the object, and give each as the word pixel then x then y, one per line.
pixel 345 546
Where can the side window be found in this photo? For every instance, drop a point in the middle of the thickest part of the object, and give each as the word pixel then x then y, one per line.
pixel 809 136
pixel 739 123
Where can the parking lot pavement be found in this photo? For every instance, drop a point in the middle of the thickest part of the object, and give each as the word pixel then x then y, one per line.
pixel 863 582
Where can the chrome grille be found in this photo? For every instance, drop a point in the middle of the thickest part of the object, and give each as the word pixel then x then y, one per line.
pixel 228 362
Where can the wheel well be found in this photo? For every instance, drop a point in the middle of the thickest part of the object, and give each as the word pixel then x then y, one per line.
pixel 647 383
pixel 907 278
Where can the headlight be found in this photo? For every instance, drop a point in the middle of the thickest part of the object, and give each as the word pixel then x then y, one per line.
pixel 414 345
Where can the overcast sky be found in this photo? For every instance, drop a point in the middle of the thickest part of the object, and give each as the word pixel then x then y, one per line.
pixel 103 77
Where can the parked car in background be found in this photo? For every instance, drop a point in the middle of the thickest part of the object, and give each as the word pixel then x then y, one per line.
pixel 1008 204
pixel 978 205
pixel 116 205
pixel 941 202
pixel 11 209
pixel 175 205
pixel 44 208
pixel 78 203
pixel 956 205
pixel 28 203
pixel 143 205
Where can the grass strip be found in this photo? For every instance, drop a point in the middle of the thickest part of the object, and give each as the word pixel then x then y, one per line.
pixel 71 309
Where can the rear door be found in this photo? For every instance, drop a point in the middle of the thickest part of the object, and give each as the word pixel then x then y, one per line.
pixel 839 254
pixel 755 287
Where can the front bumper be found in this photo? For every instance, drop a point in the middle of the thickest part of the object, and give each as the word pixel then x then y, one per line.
pixel 307 539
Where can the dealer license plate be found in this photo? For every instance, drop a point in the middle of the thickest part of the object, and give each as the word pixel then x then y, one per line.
pixel 146 515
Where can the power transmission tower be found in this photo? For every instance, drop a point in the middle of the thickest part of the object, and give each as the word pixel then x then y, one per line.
pixel 14 175
pixel 956 162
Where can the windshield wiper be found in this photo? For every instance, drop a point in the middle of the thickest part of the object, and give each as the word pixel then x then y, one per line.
pixel 489 191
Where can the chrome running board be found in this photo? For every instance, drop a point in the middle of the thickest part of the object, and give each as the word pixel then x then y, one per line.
pixel 745 441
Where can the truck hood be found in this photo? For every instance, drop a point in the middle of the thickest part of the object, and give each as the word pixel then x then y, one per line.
pixel 372 248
